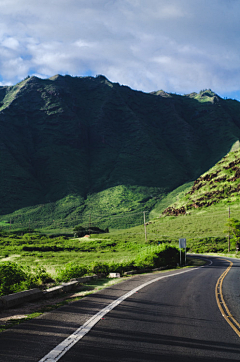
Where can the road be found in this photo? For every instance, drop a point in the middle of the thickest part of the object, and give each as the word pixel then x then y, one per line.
pixel 175 318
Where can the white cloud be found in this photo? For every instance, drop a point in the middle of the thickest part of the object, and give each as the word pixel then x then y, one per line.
pixel 175 45
pixel 10 43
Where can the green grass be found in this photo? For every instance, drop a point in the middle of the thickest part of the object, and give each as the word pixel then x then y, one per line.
pixel 169 199
pixel 219 186
pixel 33 250
pixel 120 245
pixel 199 223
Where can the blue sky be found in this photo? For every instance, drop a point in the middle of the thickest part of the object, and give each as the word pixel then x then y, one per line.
pixel 179 46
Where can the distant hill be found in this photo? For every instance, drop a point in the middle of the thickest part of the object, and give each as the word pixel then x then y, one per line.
pixel 74 145
pixel 219 185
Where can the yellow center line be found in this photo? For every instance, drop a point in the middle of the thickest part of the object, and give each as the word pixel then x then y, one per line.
pixel 221 302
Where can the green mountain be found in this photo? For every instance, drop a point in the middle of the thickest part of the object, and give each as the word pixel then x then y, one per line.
pixel 75 146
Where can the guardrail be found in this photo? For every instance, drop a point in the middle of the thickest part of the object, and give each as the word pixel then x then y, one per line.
pixel 12 300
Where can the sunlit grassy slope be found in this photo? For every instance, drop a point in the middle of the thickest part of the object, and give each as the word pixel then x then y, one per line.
pixel 219 186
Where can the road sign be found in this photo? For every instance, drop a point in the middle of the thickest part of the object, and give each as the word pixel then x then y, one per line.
pixel 182 243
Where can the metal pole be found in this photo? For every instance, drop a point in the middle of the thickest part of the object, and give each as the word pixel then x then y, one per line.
pixel 180 258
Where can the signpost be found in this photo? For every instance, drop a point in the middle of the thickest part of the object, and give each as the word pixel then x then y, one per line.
pixel 183 245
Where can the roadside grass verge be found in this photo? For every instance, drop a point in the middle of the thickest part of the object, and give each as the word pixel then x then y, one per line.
pixel 74 261
pixel 118 250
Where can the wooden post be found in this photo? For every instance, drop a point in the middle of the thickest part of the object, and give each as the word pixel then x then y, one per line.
pixel 145 226
pixel 89 224
pixel 229 230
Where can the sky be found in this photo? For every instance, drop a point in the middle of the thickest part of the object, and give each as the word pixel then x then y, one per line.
pixel 179 46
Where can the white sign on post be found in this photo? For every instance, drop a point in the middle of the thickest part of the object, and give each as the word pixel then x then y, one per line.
pixel 182 245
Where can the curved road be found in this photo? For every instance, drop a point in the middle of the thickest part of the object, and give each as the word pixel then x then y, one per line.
pixel 176 318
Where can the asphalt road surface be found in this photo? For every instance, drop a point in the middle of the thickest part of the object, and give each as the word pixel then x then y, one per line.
pixel 175 318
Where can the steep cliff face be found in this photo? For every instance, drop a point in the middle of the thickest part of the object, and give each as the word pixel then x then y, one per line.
pixel 71 135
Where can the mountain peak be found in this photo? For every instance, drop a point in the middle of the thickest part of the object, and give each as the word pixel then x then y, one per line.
pixel 206 95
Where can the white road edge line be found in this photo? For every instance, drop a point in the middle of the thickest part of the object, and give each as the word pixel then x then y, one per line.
pixel 70 341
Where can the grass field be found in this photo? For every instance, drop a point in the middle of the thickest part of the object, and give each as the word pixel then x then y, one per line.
pixel 65 257
pixel 199 226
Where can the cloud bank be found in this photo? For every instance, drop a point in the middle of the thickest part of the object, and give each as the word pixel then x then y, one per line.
pixel 176 45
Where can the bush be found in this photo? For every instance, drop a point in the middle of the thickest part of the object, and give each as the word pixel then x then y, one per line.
pixel 43 248
pixel 101 268
pixel 168 255
pixel 15 279
pixel 146 261
pixel 70 271
pixel 81 231
pixel 42 275
pixel 11 276
pixel 121 267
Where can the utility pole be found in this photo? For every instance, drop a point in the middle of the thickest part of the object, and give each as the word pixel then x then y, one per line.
pixel 145 226
pixel 89 224
pixel 229 230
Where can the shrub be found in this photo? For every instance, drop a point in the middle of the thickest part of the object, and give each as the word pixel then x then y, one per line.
pixel 15 279
pixel 168 255
pixel 146 261
pixel 11 276
pixel 43 248
pixel 100 268
pixel 121 267
pixel 42 275
pixel 70 271
pixel 81 231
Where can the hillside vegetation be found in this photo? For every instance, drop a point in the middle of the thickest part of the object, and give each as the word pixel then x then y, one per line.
pixel 220 185
pixel 29 258
pixel 74 149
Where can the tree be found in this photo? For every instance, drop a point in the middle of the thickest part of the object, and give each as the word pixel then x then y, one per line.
pixel 233 226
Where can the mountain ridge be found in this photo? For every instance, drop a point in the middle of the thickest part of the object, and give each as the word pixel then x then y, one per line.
pixel 82 135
